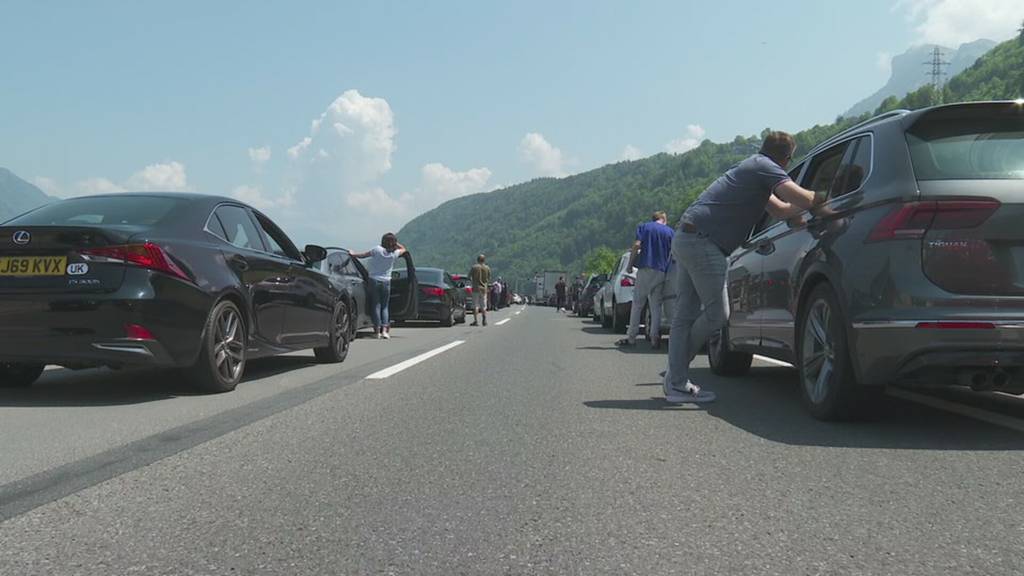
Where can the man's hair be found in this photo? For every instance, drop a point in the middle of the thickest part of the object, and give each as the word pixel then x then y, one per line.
pixel 480 259
pixel 778 146
pixel 658 216
pixel 389 241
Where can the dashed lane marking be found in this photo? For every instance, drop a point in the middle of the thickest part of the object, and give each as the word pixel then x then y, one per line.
pixel 388 372
pixel 499 323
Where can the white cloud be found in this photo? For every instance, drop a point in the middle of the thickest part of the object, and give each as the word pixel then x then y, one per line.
pixel 335 170
pixel 253 196
pixel 694 136
pixel 953 22
pixel 160 177
pixel 884 62
pixel 631 152
pixel 442 183
pixel 91 186
pixel 259 155
pixel 48 185
pixel 545 159
pixel 163 177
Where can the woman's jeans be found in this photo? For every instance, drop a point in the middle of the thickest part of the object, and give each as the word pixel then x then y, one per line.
pixel 702 303
pixel 380 300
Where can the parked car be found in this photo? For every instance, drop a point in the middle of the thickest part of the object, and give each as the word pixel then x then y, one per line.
pixel 352 278
pixel 615 298
pixel 167 280
pixel 586 305
pixel 912 273
pixel 440 299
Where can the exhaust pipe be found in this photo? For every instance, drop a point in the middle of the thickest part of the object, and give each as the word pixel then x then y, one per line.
pixel 977 380
pixel 1000 379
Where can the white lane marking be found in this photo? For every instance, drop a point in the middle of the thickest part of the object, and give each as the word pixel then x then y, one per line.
pixel 519 312
pixel 413 361
pixel 502 322
pixel 772 361
pixel 993 418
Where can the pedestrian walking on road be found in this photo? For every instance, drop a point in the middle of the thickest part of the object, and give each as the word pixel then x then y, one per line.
pixel 380 262
pixel 560 294
pixel 480 278
pixel 651 255
pixel 717 223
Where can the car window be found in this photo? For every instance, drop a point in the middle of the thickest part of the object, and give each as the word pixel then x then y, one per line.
pixel 101 210
pixel 823 169
pixel 855 169
pixel 277 242
pixel 238 227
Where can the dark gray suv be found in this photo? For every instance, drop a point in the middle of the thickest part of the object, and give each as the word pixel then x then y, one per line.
pixel 912 273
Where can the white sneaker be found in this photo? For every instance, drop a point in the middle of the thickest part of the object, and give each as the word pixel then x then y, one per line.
pixel 692 394
pixel 386 335
pixel 379 336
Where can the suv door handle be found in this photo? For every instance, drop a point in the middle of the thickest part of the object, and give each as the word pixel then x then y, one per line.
pixel 238 262
pixel 765 247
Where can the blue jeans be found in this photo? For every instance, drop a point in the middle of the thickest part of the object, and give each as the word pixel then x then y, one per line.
pixel 702 303
pixel 380 301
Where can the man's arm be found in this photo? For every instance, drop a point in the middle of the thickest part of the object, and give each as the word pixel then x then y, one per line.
pixel 792 193
pixel 359 254
pixel 401 249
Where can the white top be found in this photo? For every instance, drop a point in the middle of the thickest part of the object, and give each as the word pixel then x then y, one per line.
pixel 380 263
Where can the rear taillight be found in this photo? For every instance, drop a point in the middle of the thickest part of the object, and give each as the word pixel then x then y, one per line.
pixel 627 282
pixel 914 219
pixel 138 332
pixel 148 255
pixel 432 291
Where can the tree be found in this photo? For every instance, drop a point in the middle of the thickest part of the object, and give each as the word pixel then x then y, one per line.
pixel 1021 30
pixel 600 261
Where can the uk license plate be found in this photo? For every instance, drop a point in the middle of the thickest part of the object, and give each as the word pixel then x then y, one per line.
pixel 33 265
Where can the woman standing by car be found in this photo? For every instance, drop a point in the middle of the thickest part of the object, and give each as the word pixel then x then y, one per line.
pixel 380 261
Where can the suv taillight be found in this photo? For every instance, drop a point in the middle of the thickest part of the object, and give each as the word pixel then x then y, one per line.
pixel 627 282
pixel 148 255
pixel 914 219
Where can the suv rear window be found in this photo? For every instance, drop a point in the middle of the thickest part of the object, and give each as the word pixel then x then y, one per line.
pixel 968 149
pixel 100 211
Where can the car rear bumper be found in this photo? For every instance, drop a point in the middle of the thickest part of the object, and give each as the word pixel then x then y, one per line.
pixel 899 350
pixel 91 329
pixel 432 310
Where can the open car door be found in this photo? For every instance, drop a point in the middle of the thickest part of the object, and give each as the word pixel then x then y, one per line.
pixel 404 290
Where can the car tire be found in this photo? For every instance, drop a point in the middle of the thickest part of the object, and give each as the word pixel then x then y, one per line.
pixel 723 361
pixel 221 361
pixel 828 385
pixel 16 375
pixel 449 320
pixel 341 337
pixel 620 323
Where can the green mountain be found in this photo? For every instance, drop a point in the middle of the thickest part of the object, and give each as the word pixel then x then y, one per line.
pixel 554 224
pixel 17 195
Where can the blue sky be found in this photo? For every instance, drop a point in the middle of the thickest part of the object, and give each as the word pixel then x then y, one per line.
pixel 430 100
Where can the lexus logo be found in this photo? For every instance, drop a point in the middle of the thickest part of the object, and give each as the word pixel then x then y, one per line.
pixel 21 237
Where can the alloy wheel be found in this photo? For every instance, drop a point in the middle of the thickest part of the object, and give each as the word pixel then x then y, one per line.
pixel 342 329
pixel 818 353
pixel 228 344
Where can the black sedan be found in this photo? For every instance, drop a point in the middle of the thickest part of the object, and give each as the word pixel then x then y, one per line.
pixel 169 280
pixel 440 299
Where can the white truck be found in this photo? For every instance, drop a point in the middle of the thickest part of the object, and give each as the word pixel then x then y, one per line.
pixel 545 285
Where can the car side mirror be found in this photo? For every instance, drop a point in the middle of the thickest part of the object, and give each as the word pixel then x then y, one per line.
pixel 314 253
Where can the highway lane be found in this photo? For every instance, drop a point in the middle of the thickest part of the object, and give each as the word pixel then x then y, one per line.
pixel 536 447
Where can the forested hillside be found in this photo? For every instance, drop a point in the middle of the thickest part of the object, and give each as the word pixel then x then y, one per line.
pixel 553 223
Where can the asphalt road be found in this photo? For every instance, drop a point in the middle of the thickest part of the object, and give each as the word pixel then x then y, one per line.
pixel 533 447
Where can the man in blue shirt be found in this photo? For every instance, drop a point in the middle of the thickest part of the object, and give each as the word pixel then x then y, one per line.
pixel 717 223
pixel 651 255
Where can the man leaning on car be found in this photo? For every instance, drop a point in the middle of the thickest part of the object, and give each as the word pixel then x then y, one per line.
pixel 717 223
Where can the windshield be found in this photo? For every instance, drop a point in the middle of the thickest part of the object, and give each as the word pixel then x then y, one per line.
pixel 983 149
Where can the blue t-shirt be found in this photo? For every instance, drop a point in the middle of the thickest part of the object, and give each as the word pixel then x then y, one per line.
pixel 655 246
pixel 730 207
